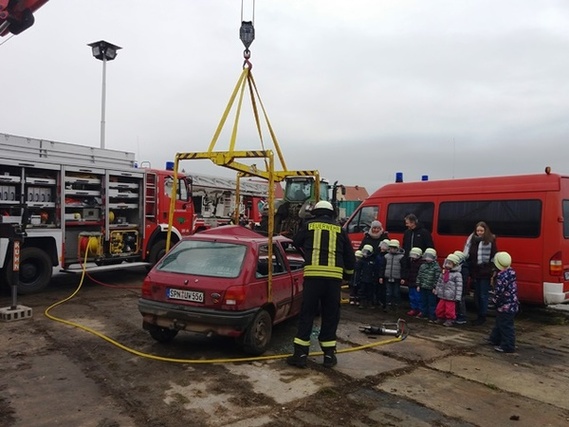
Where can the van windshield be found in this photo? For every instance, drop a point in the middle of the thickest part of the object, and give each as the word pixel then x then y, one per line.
pixel 361 221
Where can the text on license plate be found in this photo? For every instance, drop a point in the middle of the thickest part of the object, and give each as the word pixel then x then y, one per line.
pixel 185 295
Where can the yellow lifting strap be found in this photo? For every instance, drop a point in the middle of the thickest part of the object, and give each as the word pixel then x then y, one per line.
pixel 246 79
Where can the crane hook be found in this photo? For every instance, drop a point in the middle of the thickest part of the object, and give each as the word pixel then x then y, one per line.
pixel 247 35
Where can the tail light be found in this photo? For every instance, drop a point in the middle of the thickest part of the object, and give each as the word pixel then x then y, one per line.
pixel 234 297
pixel 556 265
pixel 146 287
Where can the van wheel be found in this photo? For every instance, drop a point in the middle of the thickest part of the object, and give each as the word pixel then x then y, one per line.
pixel 162 335
pixel 35 271
pixel 257 337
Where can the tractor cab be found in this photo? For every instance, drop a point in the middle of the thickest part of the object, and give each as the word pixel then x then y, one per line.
pixel 300 194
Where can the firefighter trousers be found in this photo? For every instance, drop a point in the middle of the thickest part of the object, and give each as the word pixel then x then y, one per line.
pixel 324 294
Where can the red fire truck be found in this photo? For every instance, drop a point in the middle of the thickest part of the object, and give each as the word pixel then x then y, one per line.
pixel 82 204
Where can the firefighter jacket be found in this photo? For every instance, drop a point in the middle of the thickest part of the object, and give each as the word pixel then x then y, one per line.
pixel 327 249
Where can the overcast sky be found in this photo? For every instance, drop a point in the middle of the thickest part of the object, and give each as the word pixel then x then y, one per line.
pixel 358 89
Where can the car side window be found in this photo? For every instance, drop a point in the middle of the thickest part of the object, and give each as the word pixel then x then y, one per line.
pixel 263 262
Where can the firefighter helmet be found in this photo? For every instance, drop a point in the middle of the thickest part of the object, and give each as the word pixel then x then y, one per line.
pixel 430 253
pixel 454 259
pixel 461 255
pixel 415 252
pixel 502 260
pixel 393 243
pixel 323 207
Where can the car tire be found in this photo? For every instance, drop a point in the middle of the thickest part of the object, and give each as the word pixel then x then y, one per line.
pixel 257 337
pixel 163 335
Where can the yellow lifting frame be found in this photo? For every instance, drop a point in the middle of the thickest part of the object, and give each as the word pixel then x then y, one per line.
pixel 229 158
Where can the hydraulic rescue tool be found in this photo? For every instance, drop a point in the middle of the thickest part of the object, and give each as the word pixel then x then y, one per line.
pixel 398 329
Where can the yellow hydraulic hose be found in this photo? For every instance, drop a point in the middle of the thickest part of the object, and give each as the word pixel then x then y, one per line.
pixel 177 360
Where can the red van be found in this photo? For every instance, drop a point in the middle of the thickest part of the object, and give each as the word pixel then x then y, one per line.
pixel 529 214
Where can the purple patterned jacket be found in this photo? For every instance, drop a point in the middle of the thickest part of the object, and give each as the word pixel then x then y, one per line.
pixel 506 291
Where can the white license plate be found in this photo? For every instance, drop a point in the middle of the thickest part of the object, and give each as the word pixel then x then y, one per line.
pixel 193 296
pixel 566 275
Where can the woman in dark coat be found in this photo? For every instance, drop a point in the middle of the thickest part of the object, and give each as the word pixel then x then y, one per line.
pixel 480 249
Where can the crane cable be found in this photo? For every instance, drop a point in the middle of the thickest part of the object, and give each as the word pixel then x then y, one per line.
pixel 247 36
pixel 6 41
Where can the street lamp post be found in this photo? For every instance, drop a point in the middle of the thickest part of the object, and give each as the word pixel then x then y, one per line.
pixel 104 51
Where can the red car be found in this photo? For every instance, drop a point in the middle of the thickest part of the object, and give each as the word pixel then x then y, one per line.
pixel 216 283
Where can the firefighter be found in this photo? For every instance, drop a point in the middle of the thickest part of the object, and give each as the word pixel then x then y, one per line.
pixel 329 260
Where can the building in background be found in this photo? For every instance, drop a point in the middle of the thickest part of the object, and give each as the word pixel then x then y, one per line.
pixel 347 203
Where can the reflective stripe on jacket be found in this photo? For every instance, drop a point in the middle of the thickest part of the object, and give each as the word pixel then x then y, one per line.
pixel 327 249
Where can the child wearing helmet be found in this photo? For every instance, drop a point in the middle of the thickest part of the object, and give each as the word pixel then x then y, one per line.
pixel 415 261
pixel 448 290
pixel 354 283
pixel 394 274
pixel 381 295
pixel 461 305
pixel 367 272
pixel 503 335
pixel 427 277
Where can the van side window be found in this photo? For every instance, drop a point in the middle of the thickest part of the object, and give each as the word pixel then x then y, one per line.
pixel 396 213
pixel 508 218
pixel 566 219
pixel 361 221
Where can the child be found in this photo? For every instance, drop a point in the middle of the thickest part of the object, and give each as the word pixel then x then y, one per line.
pixel 415 262
pixel 427 277
pixel 449 290
pixel 381 288
pixel 461 305
pixel 354 283
pixel 366 270
pixel 503 335
pixel 393 273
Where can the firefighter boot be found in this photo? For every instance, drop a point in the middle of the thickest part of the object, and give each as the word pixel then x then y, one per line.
pixel 299 357
pixel 330 359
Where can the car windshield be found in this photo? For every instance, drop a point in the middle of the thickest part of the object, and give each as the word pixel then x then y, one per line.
pixel 214 259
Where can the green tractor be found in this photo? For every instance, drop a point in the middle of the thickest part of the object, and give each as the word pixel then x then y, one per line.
pixel 300 195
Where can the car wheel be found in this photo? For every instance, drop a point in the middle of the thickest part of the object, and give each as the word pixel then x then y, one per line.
pixel 163 335
pixel 258 335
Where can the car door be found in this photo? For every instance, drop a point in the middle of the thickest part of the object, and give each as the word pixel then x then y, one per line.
pixel 282 286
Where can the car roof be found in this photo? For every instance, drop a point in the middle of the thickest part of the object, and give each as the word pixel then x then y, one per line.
pixel 235 233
